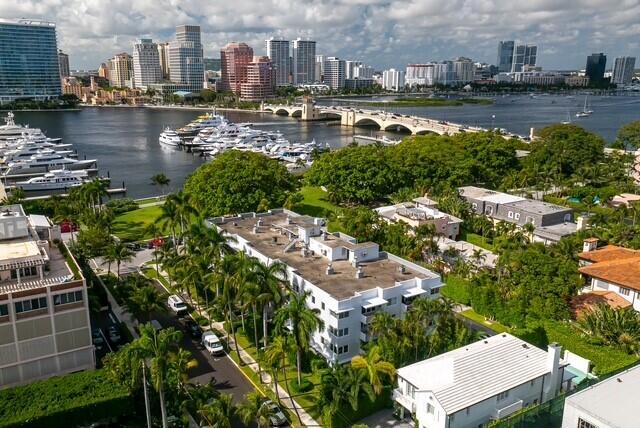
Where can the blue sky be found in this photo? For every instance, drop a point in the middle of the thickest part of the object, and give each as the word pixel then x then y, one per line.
pixel 381 32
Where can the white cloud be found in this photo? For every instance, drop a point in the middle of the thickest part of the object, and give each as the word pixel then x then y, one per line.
pixel 384 33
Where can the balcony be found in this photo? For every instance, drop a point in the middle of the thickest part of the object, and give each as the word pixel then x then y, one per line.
pixel 403 400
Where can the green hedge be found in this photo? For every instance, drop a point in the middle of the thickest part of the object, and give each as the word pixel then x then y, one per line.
pixel 64 401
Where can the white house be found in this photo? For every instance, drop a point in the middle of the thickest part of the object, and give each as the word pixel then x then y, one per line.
pixel 611 270
pixel 349 281
pixel 612 403
pixel 480 382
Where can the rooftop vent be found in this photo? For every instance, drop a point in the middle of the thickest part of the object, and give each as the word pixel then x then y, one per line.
pixel 235 223
pixel 402 269
pixel 359 273
pixel 274 239
pixel 288 219
pixel 330 270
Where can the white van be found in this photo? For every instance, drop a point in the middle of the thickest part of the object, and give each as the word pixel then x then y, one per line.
pixel 177 305
pixel 212 343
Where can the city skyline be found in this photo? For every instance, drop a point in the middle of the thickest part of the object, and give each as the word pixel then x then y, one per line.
pixel 378 32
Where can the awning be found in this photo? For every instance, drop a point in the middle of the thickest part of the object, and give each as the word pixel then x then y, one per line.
pixel 376 301
pixel 412 292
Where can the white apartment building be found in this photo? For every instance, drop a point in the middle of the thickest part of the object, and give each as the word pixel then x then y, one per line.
pixel 362 72
pixel 349 67
pixel 612 403
pixel 44 309
pixel 304 62
pixel 120 70
pixel 393 80
pixel 463 69
pixel 146 64
pixel 422 211
pixel 475 384
pixel 278 51
pixel 333 70
pixel 349 281
pixel 419 74
pixel 623 70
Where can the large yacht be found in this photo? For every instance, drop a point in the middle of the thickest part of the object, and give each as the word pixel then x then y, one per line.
pixel 10 130
pixel 46 162
pixel 170 138
pixel 22 153
pixel 206 121
pixel 58 179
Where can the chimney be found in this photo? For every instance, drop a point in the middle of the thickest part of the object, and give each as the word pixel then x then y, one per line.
pixel 582 221
pixel 552 387
pixel 255 228
pixel 324 235
pixel 330 270
pixel 401 269
pixel 589 244
pixel 354 263
pixel 359 273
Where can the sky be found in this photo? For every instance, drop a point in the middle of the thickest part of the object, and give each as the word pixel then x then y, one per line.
pixel 382 33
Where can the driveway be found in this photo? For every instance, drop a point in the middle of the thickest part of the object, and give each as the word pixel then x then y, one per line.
pixel 384 419
pixel 139 257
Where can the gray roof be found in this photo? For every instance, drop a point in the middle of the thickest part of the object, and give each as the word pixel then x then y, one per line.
pixel 538 207
pixel 556 231
pixel 476 372
pixel 613 401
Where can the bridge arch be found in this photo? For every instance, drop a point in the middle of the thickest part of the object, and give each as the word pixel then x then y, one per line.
pixel 367 122
pixel 296 112
pixel 427 132
pixel 398 127
pixel 281 111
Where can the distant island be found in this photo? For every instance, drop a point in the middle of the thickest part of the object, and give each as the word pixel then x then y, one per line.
pixel 431 102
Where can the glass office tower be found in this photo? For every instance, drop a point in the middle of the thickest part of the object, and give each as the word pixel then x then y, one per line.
pixel 28 60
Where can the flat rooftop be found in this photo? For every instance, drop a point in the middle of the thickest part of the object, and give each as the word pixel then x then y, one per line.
pixel 482 194
pixel 539 207
pixel 556 231
pixel 613 401
pixel 341 285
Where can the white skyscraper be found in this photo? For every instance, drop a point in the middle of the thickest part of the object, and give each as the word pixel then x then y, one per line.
pixel 349 67
pixel 463 68
pixel 393 80
pixel 163 54
pixel 146 64
pixel 320 68
pixel 334 72
pixel 185 58
pixel 278 51
pixel 623 70
pixel 304 61
pixel 419 74
pixel 362 72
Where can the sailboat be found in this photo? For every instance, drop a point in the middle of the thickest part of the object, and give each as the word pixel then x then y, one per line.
pixel 584 112
pixel 568 121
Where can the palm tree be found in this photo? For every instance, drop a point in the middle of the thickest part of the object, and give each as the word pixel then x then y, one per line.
pixel 254 410
pixel 269 280
pixel 180 363
pixel 219 412
pixel 170 218
pixel 302 322
pixel 154 230
pixel 375 367
pixel 160 180
pixel 144 301
pixel 156 347
pixel 121 254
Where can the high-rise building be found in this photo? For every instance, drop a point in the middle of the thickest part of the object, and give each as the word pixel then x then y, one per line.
pixel 349 67
pixel 419 75
pixel 320 68
pixel 505 55
pixel 44 307
pixel 303 62
pixel 121 70
pixel 623 70
pixel 463 67
pixel 334 72
pixel 596 64
pixel 28 60
pixel 260 82
pixel 523 56
pixel 235 58
pixel 163 56
pixel 278 51
pixel 63 64
pixel 362 72
pixel 103 71
pixel 146 64
pixel 185 58
pixel 393 80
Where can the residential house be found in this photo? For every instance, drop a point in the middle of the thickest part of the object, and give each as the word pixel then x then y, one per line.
pixel 480 382
pixel 349 282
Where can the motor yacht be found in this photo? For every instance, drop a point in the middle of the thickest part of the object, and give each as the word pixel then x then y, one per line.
pixel 41 162
pixel 58 179
pixel 26 152
pixel 169 137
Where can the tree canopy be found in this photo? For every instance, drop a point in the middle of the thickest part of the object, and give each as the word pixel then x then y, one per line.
pixel 236 182
pixel 629 135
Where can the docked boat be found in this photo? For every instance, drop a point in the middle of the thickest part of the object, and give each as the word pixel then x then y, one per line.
pixel 10 130
pixel 46 162
pixel 206 121
pixel 169 137
pixel 26 152
pixel 59 179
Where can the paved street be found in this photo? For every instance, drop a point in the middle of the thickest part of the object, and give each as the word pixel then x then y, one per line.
pixel 139 257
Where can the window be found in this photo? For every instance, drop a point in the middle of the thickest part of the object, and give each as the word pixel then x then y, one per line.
pixel 25 271
pixel 474 206
pixel 584 424
pixel 338 332
pixel 4 310
pixel 322 306
pixel 510 214
pixel 567 218
pixel 63 299
pixel 503 395
pixel 516 216
pixel 313 299
pixel 467 410
pixel 340 349
pixel 31 305
pixel 342 315
pixel 488 210
pixel 624 291
pixel 530 220
pixel 434 291
pixel 430 409
pixel 392 301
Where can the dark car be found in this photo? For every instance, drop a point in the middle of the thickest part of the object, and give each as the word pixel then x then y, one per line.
pixel 96 337
pixel 114 334
pixel 276 416
pixel 193 329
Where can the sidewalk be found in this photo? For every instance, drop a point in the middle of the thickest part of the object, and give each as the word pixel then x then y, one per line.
pixel 250 362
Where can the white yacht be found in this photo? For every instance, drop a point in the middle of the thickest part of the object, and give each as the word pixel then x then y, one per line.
pixel 170 138
pixel 46 162
pixel 202 122
pixel 11 131
pixel 58 179
pixel 26 152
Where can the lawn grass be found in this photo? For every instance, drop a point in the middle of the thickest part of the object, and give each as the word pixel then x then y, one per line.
pixel 315 202
pixel 475 239
pixel 150 200
pixel 493 325
pixel 131 225
pixel 151 273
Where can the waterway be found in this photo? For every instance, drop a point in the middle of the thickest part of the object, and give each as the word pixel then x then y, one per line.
pixel 125 140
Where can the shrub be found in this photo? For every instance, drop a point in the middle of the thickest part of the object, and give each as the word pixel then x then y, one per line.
pixel 64 401
pixel 303 386
pixel 120 206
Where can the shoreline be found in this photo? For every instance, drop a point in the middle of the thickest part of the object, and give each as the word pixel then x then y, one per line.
pixel 31 110
pixel 192 108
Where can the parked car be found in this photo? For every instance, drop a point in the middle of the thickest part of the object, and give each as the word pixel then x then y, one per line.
pixel 193 329
pixel 212 343
pixel 177 305
pixel 277 417
pixel 156 325
pixel 114 334
pixel 134 246
pixel 68 226
pixel 96 337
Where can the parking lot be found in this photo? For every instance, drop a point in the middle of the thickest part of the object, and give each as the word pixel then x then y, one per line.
pixel 100 325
